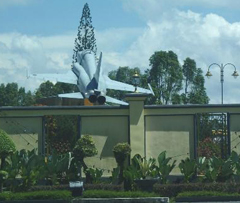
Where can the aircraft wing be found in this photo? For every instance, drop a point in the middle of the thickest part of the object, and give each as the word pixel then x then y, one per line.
pixel 115 85
pixel 70 77
pixel 116 101
pixel 76 95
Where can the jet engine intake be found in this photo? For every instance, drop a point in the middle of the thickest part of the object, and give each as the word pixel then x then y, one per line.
pixel 101 100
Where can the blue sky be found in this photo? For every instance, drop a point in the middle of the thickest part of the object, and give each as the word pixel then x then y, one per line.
pixel 52 17
pixel 38 35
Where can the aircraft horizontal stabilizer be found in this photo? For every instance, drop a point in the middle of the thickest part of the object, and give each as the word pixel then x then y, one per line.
pixel 115 85
pixel 75 95
pixel 116 101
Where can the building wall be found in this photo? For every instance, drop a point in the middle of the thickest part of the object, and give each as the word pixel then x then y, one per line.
pixel 106 131
pixel 149 129
pixel 26 133
pixel 173 134
pixel 235 132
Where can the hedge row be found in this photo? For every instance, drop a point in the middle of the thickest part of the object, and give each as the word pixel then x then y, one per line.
pixel 49 188
pixel 100 186
pixel 66 195
pixel 172 190
pixel 37 195
pixel 114 194
pixel 207 194
pixel 103 186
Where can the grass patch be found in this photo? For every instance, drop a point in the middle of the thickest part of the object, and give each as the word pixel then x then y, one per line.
pixel 207 194
pixel 114 194
pixel 37 195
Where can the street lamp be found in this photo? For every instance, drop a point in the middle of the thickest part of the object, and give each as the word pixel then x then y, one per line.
pixel 209 74
pixel 136 80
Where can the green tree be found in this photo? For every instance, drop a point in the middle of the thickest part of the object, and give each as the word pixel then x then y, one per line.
pixel 166 76
pixel 25 98
pixel 122 74
pixel 189 71
pixel 29 99
pixel 62 88
pixel 195 92
pixel 2 95
pixel 11 95
pixel 48 89
pixel 85 36
pixel 198 93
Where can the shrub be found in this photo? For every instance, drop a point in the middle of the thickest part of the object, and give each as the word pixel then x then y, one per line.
pixel 7 147
pixel 219 170
pixel 164 167
pixel 172 190
pixel 206 194
pixel 39 195
pixel 140 168
pixel 95 174
pixel 5 196
pixel 102 186
pixel 121 152
pixel 207 148
pixel 188 168
pixel 49 187
pixel 85 147
pixel 146 168
pixel 113 194
pixel 99 186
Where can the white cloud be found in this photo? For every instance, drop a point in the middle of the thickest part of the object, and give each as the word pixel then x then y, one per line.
pixel 206 39
pixel 154 9
pixel 19 53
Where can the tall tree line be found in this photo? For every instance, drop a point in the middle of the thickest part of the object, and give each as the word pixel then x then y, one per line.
pixel 171 82
pixel 12 95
